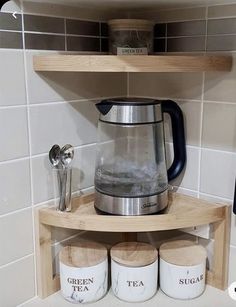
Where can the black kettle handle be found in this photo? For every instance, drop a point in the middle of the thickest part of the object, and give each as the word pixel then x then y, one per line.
pixel 234 203
pixel 177 122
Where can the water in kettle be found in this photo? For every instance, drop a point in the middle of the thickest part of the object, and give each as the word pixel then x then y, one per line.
pixel 125 178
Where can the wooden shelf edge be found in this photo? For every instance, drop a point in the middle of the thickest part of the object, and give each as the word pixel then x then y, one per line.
pixel 184 212
pixel 140 63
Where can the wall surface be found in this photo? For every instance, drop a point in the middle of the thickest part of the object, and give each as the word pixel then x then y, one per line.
pixel 208 101
pixel 39 110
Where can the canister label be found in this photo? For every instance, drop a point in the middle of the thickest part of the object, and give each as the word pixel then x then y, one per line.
pixel 135 283
pixel 134 51
pixel 127 284
pixel 182 282
pixel 83 285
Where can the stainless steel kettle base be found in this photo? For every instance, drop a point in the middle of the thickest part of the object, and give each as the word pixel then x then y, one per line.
pixel 131 206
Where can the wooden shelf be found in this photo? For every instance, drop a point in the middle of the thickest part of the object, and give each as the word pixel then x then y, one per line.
pixel 140 63
pixel 183 211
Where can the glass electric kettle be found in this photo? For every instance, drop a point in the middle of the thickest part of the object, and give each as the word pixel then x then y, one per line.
pixel 131 176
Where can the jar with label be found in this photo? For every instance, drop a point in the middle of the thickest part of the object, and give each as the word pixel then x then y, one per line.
pixel 134 271
pixel 130 36
pixel 83 272
pixel 182 269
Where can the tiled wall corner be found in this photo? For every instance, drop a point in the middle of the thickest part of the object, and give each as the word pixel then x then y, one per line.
pixel 37 111
pixel 23 274
pixel 174 85
pixel 208 101
pixel 47 108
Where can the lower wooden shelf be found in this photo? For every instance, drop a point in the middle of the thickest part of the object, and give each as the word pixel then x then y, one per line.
pixel 183 211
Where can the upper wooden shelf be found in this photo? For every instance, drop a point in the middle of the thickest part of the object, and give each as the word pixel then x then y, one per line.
pixel 183 211
pixel 140 63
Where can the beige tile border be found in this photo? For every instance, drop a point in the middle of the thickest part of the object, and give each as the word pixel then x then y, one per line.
pixel 220 11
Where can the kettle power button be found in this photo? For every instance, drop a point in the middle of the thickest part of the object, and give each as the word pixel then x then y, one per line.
pixel 232 291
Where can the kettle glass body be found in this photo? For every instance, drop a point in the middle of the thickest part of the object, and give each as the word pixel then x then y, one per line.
pixel 131 177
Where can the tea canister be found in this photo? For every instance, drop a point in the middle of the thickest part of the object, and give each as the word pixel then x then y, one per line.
pixel 182 269
pixel 83 272
pixel 134 271
pixel 130 36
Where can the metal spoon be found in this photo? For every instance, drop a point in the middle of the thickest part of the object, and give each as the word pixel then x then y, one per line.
pixel 66 155
pixel 54 155
pixel 55 159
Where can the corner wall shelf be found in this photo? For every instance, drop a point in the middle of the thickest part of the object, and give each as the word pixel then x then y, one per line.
pixel 140 63
pixel 183 211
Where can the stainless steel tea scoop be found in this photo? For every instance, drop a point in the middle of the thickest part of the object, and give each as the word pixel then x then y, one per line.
pixel 66 156
pixel 54 155
pixel 55 159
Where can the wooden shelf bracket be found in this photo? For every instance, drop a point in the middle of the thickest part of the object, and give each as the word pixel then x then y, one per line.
pixel 183 211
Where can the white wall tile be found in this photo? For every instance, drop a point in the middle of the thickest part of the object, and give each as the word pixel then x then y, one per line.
pixel 64 86
pixel 219 11
pixel 192 121
pixel 220 86
pixel 17 282
pixel 218 134
pixel 74 123
pixel 15 186
pixel 188 179
pixel 16 236
pixel 185 191
pixel 14 133
pixel 53 9
pixel 174 85
pixel 168 15
pixel 12 80
pixel 45 187
pixel 218 171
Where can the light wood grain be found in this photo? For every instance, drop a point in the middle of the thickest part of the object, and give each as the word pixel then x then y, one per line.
pixel 45 281
pixel 221 231
pixel 134 254
pixel 183 211
pixel 183 253
pixel 83 254
pixel 133 63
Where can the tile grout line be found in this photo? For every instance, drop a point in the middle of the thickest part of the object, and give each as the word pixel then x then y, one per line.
pixel 100 37
pixel 202 111
pixel 15 211
pixel 65 31
pixel 200 134
pixel 61 17
pixel 28 301
pixel 216 196
pixel 128 85
pixel 17 260
pixel 166 38
pixel 30 150
pixel 69 101
pixel 206 30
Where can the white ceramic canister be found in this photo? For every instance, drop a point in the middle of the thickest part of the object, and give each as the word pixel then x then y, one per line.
pixel 182 269
pixel 134 271
pixel 83 272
